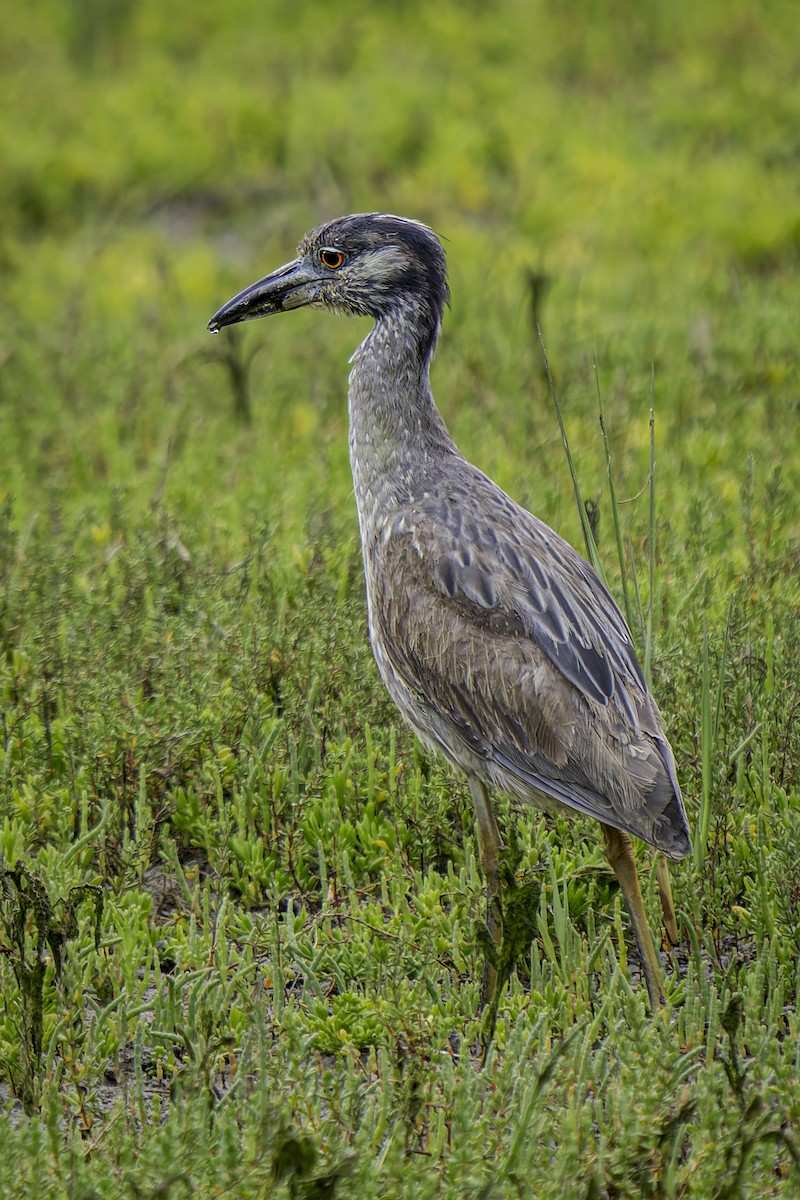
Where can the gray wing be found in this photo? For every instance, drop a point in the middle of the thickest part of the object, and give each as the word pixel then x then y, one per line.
pixel 512 655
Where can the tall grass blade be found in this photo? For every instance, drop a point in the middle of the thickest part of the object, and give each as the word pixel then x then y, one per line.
pixel 615 511
pixel 706 756
pixel 722 664
pixel 651 538
pixel 710 719
pixel 591 545
pixel 636 594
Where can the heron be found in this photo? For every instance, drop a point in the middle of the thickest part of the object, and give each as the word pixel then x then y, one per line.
pixel 496 640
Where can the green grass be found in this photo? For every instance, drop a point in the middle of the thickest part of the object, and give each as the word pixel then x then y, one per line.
pixel 283 999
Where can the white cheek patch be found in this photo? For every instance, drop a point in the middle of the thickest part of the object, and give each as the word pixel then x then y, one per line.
pixel 381 266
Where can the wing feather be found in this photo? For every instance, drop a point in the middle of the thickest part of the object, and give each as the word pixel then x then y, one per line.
pixel 501 644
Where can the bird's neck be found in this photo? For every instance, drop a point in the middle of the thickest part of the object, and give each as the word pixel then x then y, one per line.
pixel 396 431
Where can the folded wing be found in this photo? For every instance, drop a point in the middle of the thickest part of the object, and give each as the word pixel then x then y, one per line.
pixel 509 653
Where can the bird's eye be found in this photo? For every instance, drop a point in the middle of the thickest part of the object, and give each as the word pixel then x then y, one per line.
pixel 332 259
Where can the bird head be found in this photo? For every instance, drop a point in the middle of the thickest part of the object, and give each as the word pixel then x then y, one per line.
pixel 369 264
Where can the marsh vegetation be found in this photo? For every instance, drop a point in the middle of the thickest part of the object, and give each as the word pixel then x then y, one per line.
pixel 240 914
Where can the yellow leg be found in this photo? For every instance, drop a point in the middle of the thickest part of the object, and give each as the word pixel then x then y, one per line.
pixel 490 844
pixel 619 853
pixel 665 896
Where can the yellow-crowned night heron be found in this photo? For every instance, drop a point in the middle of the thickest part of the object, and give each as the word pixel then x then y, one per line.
pixel 497 641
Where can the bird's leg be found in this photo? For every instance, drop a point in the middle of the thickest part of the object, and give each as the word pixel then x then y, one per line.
pixel 665 896
pixel 490 844
pixel 619 852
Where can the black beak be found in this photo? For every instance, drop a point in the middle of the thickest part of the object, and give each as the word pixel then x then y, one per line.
pixel 291 286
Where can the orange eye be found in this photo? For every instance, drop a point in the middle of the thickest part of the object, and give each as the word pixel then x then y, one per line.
pixel 332 259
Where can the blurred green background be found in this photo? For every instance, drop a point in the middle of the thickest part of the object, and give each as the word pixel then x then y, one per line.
pixel 191 718
pixel 155 159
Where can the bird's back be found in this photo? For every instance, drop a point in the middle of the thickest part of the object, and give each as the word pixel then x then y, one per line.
pixel 506 652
